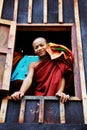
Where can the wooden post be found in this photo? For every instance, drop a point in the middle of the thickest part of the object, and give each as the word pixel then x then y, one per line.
pixel 30 11
pixel 62 113
pixel 22 111
pixel 80 60
pixel 77 85
pixel 45 12
pixel 1 6
pixel 3 110
pixel 15 10
pixel 41 111
pixel 60 4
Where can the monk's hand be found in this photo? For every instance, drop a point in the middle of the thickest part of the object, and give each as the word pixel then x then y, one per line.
pixel 63 97
pixel 17 95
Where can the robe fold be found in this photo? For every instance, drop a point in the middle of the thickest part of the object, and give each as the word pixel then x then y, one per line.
pixel 49 72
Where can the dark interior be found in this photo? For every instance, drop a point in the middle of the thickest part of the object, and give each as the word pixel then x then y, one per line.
pixel 24 39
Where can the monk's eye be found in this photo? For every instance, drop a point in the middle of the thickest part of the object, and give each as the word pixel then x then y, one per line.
pixel 36 47
pixel 41 45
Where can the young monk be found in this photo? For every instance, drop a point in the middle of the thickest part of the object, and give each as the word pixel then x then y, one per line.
pixel 52 73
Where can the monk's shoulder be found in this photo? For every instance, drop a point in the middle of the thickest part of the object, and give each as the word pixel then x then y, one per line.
pixel 33 64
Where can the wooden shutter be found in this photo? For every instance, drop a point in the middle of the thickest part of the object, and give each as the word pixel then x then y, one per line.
pixel 7 38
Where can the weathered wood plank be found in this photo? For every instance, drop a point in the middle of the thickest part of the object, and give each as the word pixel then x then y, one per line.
pixel 3 110
pixel 12 34
pixel 7 22
pixel 62 113
pixel 68 11
pixel 15 10
pixel 46 98
pixel 42 24
pixel 77 86
pixel 4 33
pixel 30 6
pixel 22 111
pixel 60 3
pixel 45 12
pixel 41 111
pixel 80 59
pixel 3 50
pixel 1 7
pixel 74 112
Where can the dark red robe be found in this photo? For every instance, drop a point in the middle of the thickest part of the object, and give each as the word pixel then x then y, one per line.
pixel 48 74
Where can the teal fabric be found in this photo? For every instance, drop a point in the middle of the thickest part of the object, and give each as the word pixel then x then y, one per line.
pixel 21 69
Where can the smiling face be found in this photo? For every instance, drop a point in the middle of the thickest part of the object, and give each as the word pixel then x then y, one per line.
pixel 39 46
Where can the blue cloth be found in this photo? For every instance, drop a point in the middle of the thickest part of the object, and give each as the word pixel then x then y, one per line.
pixel 21 69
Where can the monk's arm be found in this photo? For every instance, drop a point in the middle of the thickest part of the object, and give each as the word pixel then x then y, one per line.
pixel 63 97
pixel 62 84
pixel 25 85
pixel 28 80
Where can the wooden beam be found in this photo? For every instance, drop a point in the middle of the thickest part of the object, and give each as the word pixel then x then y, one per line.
pixel 72 98
pixel 22 111
pixel 45 12
pixel 7 22
pixel 1 7
pixel 80 59
pixel 48 24
pixel 15 10
pixel 30 11
pixel 60 5
pixel 3 110
pixel 3 50
pixel 45 27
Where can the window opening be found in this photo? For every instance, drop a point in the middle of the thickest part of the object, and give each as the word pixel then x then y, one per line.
pixel 23 45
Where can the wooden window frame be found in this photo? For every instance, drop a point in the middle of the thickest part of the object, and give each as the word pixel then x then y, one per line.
pixel 60 28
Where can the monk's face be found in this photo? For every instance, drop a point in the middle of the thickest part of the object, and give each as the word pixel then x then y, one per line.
pixel 40 46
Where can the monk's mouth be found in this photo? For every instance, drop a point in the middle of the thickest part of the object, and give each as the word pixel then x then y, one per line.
pixel 41 53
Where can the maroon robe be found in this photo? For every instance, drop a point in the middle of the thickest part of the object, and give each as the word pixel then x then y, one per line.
pixel 48 75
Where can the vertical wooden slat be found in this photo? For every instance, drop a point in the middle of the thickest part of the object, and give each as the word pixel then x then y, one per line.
pixel 30 11
pixel 1 6
pixel 41 111
pixel 60 4
pixel 15 10
pixel 77 86
pixel 3 110
pixel 12 33
pixel 80 59
pixel 62 113
pixel 45 11
pixel 22 111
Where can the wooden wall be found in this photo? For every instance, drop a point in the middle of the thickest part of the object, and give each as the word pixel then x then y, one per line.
pixel 49 16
